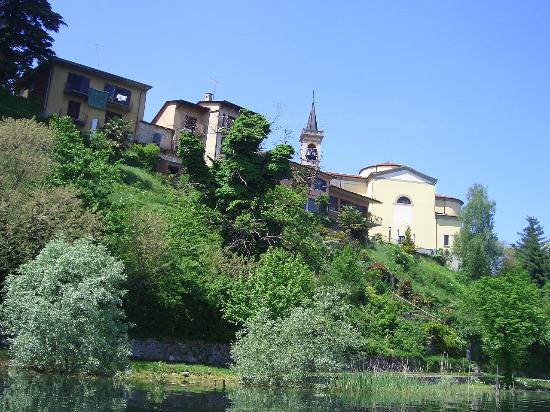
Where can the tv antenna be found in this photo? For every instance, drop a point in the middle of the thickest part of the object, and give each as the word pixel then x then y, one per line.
pixel 215 84
pixel 97 54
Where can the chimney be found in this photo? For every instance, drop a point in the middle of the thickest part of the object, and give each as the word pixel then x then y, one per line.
pixel 208 97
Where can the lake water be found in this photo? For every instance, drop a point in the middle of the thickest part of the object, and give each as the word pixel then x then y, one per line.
pixel 24 392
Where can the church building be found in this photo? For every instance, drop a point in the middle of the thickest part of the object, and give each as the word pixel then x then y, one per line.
pixel 397 196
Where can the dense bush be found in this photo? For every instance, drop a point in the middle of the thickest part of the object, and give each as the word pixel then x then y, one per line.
pixel 281 282
pixel 313 338
pixel 63 310
pixel 144 156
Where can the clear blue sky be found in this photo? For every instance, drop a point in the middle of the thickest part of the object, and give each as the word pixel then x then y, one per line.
pixel 459 90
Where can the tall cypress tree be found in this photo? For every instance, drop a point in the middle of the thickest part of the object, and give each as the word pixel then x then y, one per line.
pixel 531 252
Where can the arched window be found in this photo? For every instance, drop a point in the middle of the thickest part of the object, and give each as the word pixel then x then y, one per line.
pixel 311 152
pixel 404 200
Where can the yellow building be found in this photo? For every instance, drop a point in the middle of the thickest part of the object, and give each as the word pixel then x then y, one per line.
pixel 90 96
pixel 407 199
pixel 392 196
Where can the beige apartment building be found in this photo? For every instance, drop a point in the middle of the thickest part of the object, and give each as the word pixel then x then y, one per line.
pixel 89 96
pixel 207 118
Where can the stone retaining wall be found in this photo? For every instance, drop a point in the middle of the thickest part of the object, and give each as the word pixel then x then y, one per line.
pixel 172 350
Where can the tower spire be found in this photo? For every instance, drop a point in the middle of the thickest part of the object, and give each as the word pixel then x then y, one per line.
pixel 312 121
pixel 311 139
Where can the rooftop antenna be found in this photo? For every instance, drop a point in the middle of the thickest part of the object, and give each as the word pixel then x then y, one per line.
pixel 215 84
pixel 97 55
pixel 313 100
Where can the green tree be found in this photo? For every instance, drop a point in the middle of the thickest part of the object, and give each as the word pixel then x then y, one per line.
pixel 312 338
pixel 476 244
pixel 63 310
pixel 25 149
pixel 30 219
pixel 407 245
pixel 507 311
pixel 282 281
pixel 117 133
pixel 86 169
pixel 24 36
pixel 191 152
pixel 353 223
pixel 531 252
pixel 236 183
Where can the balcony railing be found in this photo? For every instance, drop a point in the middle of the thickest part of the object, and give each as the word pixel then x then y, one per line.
pixel 374 220
pixel 119 105
pixel 76 89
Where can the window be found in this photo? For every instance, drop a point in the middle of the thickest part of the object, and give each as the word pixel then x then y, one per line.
pixel 73 110
pixel 77 83
pixel 173 170
pixel 400 239
pixel 157 138
pixel 320 184
pixel 446 240
pixel 333 203
pixel 117 95
pixel 227 121
pixel 404 200
pixel 111 115
pixel 311 153
pixel 190 123
pixel 311 206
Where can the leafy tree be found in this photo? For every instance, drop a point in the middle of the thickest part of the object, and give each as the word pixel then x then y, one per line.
pixel 63 310
pixel 191 152
pixel 353 223
pixel 86 169
pixel 476 244
pixel 24 37
pixel 236 183
pixel 531 252
pixel 407 245
pixel 508 314
pixel 117 133
pixel 25 149
pixel 313 338
pixel 281 282
pixel 30 219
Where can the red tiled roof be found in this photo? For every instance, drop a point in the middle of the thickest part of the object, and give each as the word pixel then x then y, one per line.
pixel 346 175
pixel 448 197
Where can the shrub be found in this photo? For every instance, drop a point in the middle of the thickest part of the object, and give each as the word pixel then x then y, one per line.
pixel 142 156
pixel 63 309
pixel 281 282
pixel 313 338
pixel 25 146
pixel 408 243
pixel 30 219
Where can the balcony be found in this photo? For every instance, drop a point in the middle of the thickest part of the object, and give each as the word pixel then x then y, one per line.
pixel 76 89
pixel 124 106
pixel 373 220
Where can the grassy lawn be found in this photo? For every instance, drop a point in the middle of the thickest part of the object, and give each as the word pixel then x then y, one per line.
pixel 179 374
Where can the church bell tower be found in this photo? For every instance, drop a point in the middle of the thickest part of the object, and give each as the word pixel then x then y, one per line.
pixel 310 140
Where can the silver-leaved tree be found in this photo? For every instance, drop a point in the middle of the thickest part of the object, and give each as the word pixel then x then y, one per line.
pixel 63 310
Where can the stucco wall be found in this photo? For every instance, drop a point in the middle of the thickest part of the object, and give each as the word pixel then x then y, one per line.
pixel 419 215
pixel 146 131
pixel 58 99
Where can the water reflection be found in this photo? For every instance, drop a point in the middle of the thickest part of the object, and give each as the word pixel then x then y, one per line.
pixel 44 393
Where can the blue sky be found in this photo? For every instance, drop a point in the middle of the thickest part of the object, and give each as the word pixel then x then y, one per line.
pixel 459 90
